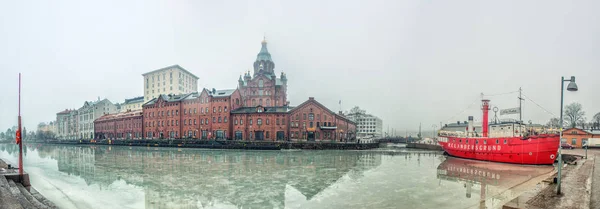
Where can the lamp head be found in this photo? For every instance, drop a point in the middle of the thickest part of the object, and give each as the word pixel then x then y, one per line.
pixel 572 85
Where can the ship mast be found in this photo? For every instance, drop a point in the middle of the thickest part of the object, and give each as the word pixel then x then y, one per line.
pixel 520 114
pixel 520 108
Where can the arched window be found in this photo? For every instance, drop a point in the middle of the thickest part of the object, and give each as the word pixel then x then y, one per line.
pixel 268 103
pixel 260 83
pixel 260 102
pixel 259 121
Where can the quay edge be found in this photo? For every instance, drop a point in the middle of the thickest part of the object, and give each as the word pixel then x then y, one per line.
pixel 224 144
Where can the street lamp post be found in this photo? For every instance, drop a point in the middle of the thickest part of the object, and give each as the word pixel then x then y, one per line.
pixel 571 87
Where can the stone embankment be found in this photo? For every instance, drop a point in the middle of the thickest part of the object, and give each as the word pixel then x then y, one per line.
pixel 16 195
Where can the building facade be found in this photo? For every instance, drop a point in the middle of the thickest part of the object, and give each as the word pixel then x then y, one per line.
pixel 312 121
pixel 132 104
pixel 67 124
pixel 89 112
pixel 367 125
pixel 172 80
pixel 123 125
pixel 256 110
pixel 578 137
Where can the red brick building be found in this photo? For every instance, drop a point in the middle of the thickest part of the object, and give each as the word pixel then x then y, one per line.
pixel 312 121
pixel 256 110
pixel 164 116
pixel 125 125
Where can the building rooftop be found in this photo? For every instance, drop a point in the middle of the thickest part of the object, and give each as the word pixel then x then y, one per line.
pixel 169 67
pixel 134 100
pixel 120 115
pixel 169 98
pixel 220 93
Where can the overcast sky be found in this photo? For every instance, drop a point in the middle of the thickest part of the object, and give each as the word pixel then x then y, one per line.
pixel 404 61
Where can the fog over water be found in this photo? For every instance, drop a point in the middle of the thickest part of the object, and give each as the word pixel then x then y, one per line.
pixel 404 61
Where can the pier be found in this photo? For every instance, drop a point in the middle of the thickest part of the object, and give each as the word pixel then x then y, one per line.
pixel 16 191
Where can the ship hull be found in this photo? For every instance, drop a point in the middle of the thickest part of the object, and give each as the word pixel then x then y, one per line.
pixel 535 150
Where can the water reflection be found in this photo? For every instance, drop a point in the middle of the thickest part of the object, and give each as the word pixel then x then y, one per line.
pixel 495 180
pixel 148 177
pixel 190 178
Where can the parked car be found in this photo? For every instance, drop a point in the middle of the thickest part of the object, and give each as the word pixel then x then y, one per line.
pixel 566 146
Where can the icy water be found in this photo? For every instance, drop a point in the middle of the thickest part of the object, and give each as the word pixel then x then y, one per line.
pixel 148 177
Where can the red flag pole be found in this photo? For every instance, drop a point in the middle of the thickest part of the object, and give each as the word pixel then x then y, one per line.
pixel 20 141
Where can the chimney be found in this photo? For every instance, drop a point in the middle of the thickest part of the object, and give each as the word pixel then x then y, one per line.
pixel 311 98
pixel 470 130
pixel 484 122
pixel 214 91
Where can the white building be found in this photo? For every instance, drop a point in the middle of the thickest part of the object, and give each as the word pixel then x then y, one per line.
pixel 132 104
pixel 169 80
pixel 367 125
pixel 90 112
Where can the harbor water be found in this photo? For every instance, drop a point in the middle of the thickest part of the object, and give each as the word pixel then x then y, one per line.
pixel 151 177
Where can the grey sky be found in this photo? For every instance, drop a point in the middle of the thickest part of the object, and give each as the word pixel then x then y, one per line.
pixel 405 61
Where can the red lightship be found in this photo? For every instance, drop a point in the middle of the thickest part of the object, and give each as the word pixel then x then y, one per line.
pixel 508 142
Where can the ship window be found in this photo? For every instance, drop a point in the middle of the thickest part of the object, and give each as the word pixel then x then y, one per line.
pixel 460 141
pixel 484 141
pixel 497 141
pixel 467 141
pixel 504 141
pixel 476 141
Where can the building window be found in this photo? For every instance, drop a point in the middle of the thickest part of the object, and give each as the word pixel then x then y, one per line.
pixel 574 141
pixel 184 122
pixel 214 109
pixel 214 120
pixel 225 119
pixel 190 122
pixel 194 121
pixel 311 117
pixel 277 121
pixel 225 109
pixel 235 122
pixel 194 110
pixel 241 121
pixel 219 108
pixel 206 121
pixel 260 83
pixel 267 135
pixel 250 122
pixel 310 124
pixel 259 121
pixel 206 110
pixel 201 122
pixel 219 119
pixel 267 121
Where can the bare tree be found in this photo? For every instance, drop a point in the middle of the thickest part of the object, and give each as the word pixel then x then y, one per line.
pixel 554 122
pixel 574 114
pixel 596 121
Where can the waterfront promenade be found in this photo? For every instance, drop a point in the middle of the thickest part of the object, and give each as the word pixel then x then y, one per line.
pixel 15 195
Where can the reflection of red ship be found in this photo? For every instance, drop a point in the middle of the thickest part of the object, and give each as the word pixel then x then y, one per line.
pixel 506 144
pixel 497 175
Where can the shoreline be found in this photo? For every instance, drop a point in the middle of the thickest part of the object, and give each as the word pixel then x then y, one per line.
pixel 225 144
pixel 18 193
pixel 579 186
